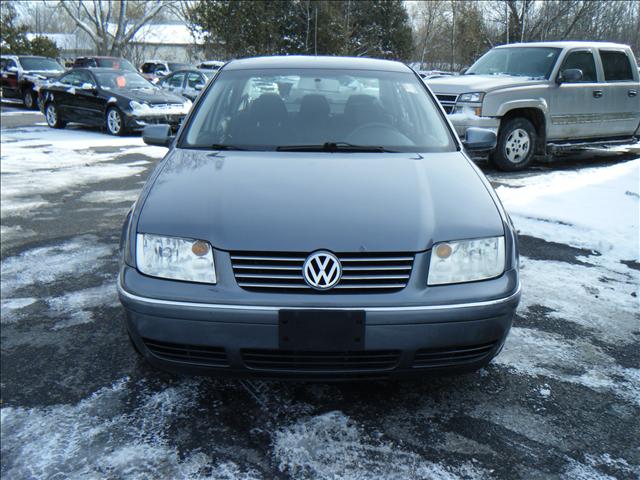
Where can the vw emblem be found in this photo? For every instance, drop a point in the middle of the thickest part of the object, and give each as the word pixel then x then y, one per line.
pixel 322 270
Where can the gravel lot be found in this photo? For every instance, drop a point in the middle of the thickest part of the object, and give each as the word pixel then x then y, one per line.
pixel 561 401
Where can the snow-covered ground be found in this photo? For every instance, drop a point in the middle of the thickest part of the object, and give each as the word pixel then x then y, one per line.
pixel 561 401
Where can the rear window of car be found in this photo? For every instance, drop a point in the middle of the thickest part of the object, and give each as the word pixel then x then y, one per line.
pixel 116 63
pixel 616 66
pixel 282 108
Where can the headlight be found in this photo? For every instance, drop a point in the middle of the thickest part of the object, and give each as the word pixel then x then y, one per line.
pixel 473 97
pixel 466 261
pixel 175 258
pixel 138 108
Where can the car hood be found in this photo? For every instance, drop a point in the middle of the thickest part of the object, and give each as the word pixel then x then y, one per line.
pixel 152 96
pixel 301 202
pixel 476 83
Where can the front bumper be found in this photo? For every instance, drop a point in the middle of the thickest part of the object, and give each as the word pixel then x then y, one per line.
pixel 138 122
pixel 462 121
pixel 212 336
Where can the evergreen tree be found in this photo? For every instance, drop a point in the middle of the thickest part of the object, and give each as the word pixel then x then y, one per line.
pixel 13 37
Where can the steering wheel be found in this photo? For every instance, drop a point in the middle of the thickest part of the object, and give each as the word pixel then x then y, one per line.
pixel 371 126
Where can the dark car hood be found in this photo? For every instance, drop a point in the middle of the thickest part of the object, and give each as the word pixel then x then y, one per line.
pixel 47 74
pixel 301 202
pixel 149 95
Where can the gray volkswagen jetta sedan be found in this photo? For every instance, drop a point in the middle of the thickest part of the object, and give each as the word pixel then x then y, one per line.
pixel 318 218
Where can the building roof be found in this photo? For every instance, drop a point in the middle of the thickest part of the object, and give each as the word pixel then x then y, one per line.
pixel 309 61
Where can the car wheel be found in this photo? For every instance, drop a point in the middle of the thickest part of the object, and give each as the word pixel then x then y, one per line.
pixel 115 122
pixel 29 99
pixel 516 145
pixel 53 117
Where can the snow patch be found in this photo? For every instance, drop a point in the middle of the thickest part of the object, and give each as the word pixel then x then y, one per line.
pixel 104 437
pixel 75 308
pixel 592 208
pixel 111 196
pixel 331 446
pixel 40 266
pixel 536 353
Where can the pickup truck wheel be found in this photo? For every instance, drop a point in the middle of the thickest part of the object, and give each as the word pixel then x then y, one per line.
pixel 516 145
pixel 29 99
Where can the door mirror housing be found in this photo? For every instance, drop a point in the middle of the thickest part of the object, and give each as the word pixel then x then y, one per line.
pixel 198 86
pixel 12 69
pixel 464 70
pixel 570 75
pixel 89 87
pixel 157 135
pixel 480 139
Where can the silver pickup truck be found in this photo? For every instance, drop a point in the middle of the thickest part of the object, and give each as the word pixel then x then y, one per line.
pixel 541 98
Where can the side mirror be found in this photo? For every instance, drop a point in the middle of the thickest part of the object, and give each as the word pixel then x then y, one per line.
pixel 12 69
pixel 570 75
pixel 463 71
pixel 198 86
pixel 88 87
pixel 161 73
pixel 157 135
pixel 480 139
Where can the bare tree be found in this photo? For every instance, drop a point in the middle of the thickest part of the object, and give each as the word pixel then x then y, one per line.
pixel 111 24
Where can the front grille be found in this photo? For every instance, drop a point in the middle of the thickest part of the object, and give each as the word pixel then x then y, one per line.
pixel 451 356
pixel 447 101
pixel 194 354
pixel 361 272
pixel 302 361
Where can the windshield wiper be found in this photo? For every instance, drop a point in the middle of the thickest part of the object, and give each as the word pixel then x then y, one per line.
pixel 333 147
pixel 222 146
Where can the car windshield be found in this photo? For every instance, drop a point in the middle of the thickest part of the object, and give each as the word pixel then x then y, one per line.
pixel 534 62
pixel 178 66
pixel 318 110
pixel 122 80
pixel 116 63
pixel 40 64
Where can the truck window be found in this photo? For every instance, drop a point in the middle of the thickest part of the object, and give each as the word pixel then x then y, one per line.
pixel 583 61
pixel 616 66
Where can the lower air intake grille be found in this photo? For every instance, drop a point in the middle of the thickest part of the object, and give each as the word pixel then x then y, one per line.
pixel 194 354
pixel 445 357
pixel 361 272
pixel 370 360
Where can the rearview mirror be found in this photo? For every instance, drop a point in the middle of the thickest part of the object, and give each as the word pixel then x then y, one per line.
pixel 480 139
pixel 157 135
pixel 570 75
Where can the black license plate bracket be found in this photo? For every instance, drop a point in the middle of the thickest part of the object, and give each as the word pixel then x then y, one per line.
pixel 321 330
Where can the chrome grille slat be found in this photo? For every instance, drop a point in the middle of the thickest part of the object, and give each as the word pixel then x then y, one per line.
pixel 283 272
pixel 448 102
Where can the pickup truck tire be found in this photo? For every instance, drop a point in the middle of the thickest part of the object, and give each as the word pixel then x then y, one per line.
pixel 516 144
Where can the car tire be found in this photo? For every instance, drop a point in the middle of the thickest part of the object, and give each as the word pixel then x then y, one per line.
pixel 114 122
pixel 516 145
pixel 52 116
pixel 29 99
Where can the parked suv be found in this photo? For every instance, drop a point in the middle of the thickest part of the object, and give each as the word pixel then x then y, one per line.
pixel 154 70
pixel 21 75
pixel 544 97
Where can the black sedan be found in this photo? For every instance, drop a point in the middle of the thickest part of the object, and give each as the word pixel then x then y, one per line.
pixel 188 83
pixel 121 101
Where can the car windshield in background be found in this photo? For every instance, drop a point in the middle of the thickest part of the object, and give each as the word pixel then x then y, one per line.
pixel 318 110
pixel 116 63
pixel 534 62
pixel 178 66
pixel 40 64
pixel 121 80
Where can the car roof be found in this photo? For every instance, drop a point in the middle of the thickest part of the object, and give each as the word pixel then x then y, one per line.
pixel 26 56
pixel 566 44
pixel 308 61
pixel 100 56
